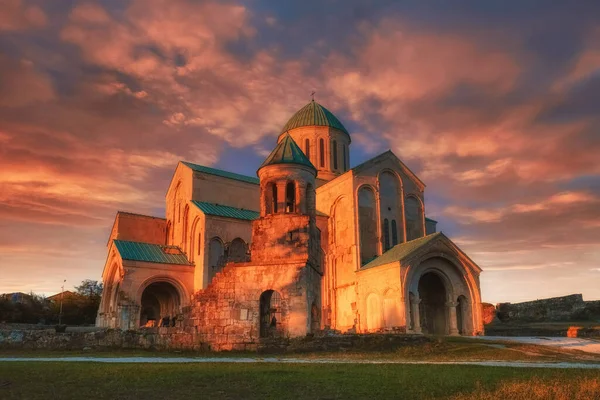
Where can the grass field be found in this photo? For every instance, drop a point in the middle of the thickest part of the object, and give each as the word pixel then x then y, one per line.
pixel 283 381
pixel 444 349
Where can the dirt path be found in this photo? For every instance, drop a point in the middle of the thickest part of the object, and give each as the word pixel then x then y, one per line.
pixel 515 364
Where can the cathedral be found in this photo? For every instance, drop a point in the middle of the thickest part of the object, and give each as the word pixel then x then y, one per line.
pixel 311 245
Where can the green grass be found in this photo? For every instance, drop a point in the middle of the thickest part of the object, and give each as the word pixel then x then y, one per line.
pixel 47 380
pixel 439 349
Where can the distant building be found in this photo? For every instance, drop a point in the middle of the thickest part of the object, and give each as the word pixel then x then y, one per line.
pixel 310 244
pixel 66 295
pixel 17 297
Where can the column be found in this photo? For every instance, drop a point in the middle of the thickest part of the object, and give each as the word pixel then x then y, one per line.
pixel 416 317
pixel 281 197
pixel 452 327
pixel 263 199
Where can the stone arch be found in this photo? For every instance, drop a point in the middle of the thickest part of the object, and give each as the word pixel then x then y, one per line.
pixel 216 256
pixel 271 314
pixel 458 280
pixel 374 313
pixel 160 300
pixel 238 251
pixel 181 290
pixel 433 293
pixel 367 223
pixel 390 201
pixel 414 216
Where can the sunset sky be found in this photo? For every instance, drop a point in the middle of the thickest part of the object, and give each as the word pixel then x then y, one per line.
pixel 495 106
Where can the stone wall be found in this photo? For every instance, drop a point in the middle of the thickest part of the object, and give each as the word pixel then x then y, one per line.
pixel 565 308
pixel 165 339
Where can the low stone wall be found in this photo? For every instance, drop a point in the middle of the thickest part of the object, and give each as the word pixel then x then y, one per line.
pixel 165 339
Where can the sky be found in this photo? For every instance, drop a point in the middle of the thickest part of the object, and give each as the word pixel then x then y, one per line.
pixel 494 105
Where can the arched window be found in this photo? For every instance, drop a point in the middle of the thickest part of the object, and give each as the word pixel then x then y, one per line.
pixel 322 152
pixel 168 238
pixel 367 222
pixel 290 197
pixel 216 257
pixel 271 198
pixel 184 233
pixel 414 222
pixel 237 251
pixel 345 151
pixel 390 199
pixel 386 234
pixel 270 314
pixel 335 158
pixel 394 233
pixel 307 148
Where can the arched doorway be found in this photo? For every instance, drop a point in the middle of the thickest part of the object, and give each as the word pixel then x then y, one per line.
pixel 270 314
pixel 216 253
pixel 432 309
pixel 160 305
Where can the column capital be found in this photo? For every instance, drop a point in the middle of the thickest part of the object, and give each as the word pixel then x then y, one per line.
pixel 451 304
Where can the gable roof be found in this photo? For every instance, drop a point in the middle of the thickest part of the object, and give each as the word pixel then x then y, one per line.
pixel 405 250
pixel 400 251
pixel 221 173
pixel 287 152
pixel 389 153
pixel 220 210
pixel 148 252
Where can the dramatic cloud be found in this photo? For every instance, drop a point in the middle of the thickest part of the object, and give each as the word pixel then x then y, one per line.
pixel 496 113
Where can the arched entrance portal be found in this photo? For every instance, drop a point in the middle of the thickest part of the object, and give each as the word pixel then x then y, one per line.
pixel 160 305
pixel 432 308
pixel 270 314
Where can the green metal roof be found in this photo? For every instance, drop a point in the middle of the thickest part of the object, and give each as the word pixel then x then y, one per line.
pixel 314 114
pixel 287 152
pixel 148 252
pixel 220 172
pixel 400 251
pixel 226 211
pixel 430 220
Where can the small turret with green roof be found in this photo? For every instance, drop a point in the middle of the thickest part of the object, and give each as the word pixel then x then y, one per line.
pixel 287 152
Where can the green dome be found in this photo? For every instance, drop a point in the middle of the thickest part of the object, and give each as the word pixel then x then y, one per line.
pixel 287 152
pixel 314 114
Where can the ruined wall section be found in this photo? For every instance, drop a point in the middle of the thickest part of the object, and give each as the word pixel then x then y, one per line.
pixel 226 315
pixel 565 308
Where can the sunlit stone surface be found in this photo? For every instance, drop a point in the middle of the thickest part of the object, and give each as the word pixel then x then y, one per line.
pixel 311 245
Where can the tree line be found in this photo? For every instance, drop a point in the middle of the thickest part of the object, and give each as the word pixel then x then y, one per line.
pixel 78 308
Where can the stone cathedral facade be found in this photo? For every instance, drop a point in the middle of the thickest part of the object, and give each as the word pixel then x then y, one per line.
pixel 312 244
